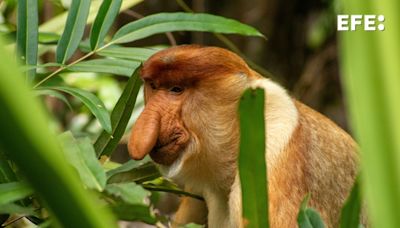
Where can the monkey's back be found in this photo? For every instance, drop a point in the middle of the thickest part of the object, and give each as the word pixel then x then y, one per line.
pixel 320 159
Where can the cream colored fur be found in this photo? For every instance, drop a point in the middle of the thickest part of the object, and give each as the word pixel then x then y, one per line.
pixel 281 116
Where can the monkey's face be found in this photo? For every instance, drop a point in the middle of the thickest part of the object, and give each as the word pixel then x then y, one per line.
pixel 159 129
pixel 184 87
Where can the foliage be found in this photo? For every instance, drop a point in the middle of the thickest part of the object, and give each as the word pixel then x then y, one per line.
pixel 308 217
pixel 371 69
pixel 252 159
pixel 39 175
pixel 29 151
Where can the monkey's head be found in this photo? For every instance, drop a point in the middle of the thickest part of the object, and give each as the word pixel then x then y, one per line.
pixel 191 94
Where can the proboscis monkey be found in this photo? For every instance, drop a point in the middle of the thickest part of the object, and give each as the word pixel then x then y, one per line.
pixel 190 127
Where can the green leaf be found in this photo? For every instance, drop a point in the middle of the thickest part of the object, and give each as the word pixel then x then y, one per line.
pixel 169 22
pixel 112 66
pixel 132 203
pixel 48 38
pixel 53 93
pixel 57 23
pixel 27 141
pixel 94 104
pixel 73 31
pixel 131 171
pixel 130 53
pixel 129 212
pixel 80 154
pixel 105 17
pixel 30 67
pixel 370 72
pixel 13 208
pixel 163 185
pixel 107 142
pixel 350 215
pixel 27 33
pixel 6 172
pixel 130 193
pixel 308 217
pixel 252 159
pixel 13 191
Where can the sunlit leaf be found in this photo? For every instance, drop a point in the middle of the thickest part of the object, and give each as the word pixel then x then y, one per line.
pixel 73 31
pixel 107 142
pixel 252 159
pixel 57 23
pixel 104 19
pixel 81 155
pixel 169 22
pixel 48 38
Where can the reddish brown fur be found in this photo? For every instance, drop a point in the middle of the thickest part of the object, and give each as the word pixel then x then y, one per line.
pixel 312 171
pixel 190 64
pixel 198 139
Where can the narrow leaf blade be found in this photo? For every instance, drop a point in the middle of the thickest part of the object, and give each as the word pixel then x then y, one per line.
pixel 169 22
pixel 130 53
pixel 27 33
pixel 111 66
pixel 252 159
pixel 53 93
pixel 350 215
pixel 27 141
pixel 105 17
pixel 106 142
pixel 73 31
pixel 94 104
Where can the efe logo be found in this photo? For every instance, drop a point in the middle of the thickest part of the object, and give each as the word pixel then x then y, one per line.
pixel 366 22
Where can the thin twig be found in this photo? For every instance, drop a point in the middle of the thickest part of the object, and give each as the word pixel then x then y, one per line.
pixel 175 191
pixel 13 221
pixel 71 64
pixel 184 6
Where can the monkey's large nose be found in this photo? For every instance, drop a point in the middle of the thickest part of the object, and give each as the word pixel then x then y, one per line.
pixel 144 134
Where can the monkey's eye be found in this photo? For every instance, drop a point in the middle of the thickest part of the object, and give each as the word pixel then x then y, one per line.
pixel 176 89
pixel 152 85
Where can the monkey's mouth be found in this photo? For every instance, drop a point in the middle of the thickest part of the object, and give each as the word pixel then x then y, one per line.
pixel 167 153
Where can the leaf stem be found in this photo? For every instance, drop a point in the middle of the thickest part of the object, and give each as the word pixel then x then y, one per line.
pixel 71 64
